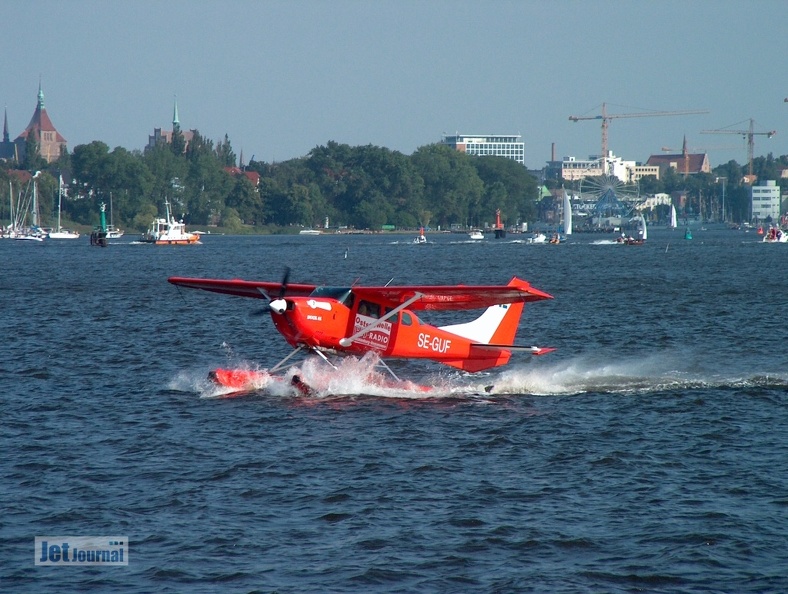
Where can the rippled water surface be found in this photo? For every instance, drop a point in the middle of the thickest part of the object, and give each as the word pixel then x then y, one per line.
pixel 649 453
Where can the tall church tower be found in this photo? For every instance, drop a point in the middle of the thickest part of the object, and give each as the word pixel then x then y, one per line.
pixel 7 148
pixel 50 142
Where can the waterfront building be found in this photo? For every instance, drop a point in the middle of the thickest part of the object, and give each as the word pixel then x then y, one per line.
pixel 685 163
pixel 499 145
pixel 573 169
pixel 51 143
pixel 765 201
pixel 641 171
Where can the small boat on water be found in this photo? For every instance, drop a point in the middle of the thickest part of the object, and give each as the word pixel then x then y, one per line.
pixel 775 235
pixel 421 237
pixel 537 238
pixel 309 232
pixel 59 232
pixel 476 234
pixel 168 231
pixel 114 233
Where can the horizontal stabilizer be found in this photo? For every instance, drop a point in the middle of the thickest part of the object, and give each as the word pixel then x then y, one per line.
pixel 534 350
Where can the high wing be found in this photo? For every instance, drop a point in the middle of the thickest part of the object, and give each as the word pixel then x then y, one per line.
pixel 427 297
pixel 242 288
pixel 453 297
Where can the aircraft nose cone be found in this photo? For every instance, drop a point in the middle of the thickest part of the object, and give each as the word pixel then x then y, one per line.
pixel 278 306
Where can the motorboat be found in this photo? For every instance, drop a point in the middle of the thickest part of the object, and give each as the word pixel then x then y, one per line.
pixel 421 238
pixel 537 238
pixel 113 232
pixel 168 231
pixel 775 235
pixel 476 234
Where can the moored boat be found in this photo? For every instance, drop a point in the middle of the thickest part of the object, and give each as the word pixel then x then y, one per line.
pixel 59 232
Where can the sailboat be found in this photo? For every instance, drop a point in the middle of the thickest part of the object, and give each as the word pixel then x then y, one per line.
pixel 673 220
pixel 112 232
pixel 10 231
pixel 59 232
pixel 567 214
pixel 34 232
pixel 640 221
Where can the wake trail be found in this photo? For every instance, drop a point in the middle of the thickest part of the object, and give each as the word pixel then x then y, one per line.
pixel 576 376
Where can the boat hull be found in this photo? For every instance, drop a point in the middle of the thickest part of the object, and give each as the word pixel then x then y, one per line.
pixel 173 241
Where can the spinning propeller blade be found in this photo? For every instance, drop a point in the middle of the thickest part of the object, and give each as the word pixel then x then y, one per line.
pixel 279 304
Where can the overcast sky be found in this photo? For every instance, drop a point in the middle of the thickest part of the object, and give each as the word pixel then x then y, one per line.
pixel 282 77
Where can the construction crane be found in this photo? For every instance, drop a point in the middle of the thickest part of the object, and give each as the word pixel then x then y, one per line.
pixel 606 117
pixel 748 134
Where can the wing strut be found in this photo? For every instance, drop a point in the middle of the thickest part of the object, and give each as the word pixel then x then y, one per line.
pixel 346 342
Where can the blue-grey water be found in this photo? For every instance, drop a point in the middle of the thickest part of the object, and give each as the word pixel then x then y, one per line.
pixel 649 453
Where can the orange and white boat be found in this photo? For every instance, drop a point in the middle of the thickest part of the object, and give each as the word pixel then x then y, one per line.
pixel 168 231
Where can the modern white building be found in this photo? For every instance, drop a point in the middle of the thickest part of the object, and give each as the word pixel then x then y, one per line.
pixel 500 145
pixel 765 201
pixel 572 169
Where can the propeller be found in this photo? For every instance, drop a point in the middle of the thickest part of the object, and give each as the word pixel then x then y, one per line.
pixel 278 305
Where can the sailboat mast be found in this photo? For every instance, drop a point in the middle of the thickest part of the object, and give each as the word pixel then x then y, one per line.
pixel 59 199
pixel 11 206
pixel 34 207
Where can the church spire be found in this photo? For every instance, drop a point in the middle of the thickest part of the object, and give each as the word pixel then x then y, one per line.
pixel 5 126
pixel 40 96
pixel 175 122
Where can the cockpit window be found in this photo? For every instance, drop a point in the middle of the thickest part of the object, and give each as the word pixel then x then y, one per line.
pixel 371 310
pixel 342 294
pixel 409 319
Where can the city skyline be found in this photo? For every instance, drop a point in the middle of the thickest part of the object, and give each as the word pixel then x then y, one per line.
pixel 281 78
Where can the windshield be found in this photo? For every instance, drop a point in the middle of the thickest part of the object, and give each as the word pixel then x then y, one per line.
pixel 341 294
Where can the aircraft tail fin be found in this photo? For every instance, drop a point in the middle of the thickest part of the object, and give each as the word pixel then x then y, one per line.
pixel 492 333
pixel 497 324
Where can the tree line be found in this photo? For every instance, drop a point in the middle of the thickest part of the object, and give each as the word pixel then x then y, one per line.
pixel 363 187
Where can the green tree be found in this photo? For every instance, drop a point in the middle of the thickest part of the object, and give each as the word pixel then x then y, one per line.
pixel 245 202
pixel 451 184
pixel 516 198
pixel 225 154
pixel 32 160
pixel 178 143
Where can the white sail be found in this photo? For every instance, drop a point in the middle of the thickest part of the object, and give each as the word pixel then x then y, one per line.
pixel 567 215
pixel 643 229
pixel 673 222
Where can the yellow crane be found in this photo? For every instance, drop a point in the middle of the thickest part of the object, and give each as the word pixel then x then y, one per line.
pixel 606 117
pixel 749 134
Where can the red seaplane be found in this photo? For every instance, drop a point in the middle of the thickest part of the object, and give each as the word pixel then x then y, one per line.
pixel 355 320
